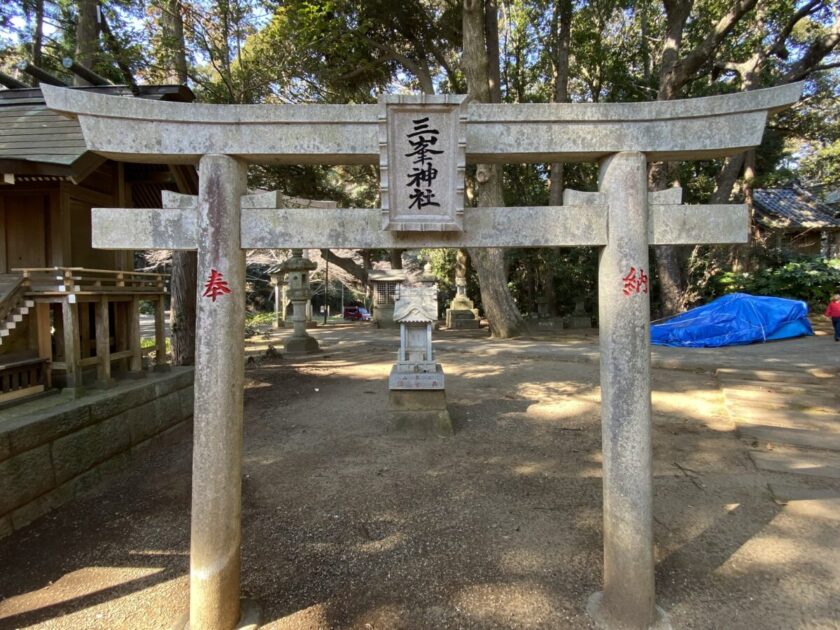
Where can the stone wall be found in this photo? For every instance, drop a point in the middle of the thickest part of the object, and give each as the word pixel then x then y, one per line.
pixel 53 449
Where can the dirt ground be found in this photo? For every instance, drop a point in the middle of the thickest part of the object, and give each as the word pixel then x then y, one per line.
pixel 345 526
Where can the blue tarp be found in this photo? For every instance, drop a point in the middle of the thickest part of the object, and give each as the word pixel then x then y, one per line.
pixel 734 319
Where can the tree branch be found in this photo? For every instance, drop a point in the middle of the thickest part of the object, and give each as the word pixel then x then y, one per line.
pixel 692 62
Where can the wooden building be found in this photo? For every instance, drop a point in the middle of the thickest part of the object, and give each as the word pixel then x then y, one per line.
pixel 69 313
pixel 796 221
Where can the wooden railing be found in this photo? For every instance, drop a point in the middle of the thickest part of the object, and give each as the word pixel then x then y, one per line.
pixel 12 297
pixel 79 280
pixel 23 378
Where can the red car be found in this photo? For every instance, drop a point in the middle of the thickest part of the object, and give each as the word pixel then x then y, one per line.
pixel 356 314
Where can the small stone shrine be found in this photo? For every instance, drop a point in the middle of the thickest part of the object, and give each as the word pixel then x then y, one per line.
pixel 297 270
pixel 417 398
pixel 385 284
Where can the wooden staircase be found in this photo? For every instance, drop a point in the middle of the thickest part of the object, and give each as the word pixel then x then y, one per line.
pixel 14 305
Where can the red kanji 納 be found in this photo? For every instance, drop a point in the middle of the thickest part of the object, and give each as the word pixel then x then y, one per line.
pixel 635 281
pixel 215 286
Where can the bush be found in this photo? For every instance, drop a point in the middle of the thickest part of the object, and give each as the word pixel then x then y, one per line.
pixel 812 280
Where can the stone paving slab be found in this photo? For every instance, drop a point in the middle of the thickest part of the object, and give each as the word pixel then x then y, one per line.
pixel 816 508
pixel 798 463
pixel 805 397
pixel 795 437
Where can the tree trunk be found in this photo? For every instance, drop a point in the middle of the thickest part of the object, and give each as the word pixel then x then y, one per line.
pixel 561 30
pixel 183 283
pixel 174 47
pixel 87 36
pixel 38 36
pixel 183 287
pixel 396 258
pixel 499 307
pixel 561 33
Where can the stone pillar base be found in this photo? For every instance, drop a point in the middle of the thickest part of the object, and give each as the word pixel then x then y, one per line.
pixel 419 412
pixel 250 617
pixel 290 324
pixel 604 621
pixel 462 319
pixel 301 345
pixel 580 321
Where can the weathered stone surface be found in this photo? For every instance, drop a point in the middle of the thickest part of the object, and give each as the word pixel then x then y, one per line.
pixel 687 224
pixel 6 527
pixel 167 386
pixel 109 406
pixel 5 447
pixel 301 345
pixel 165 133
pixel 442 122
pixel 561 226
pixel 45 503
pixel 168 410
pixel 627 451
pixel 24 477
pixel 420 412
pixel 358 228
pixel 143 421
pixel 219 375
pixel 31 430
pixel 79 451
pixel 186 400
pixel 401 380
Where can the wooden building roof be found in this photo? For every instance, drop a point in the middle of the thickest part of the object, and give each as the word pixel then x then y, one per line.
pixel 792 209
pixel 36 141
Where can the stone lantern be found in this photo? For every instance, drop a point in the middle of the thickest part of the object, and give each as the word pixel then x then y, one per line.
pixel 297 270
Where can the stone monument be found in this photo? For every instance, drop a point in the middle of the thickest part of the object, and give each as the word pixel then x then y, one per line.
pixel 622 219
pixel 297 270
pixel 579 318
pixel 462 312
pixel 417 398
pixel 281 298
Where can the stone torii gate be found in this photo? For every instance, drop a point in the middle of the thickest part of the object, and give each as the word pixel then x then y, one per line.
pixel 622 218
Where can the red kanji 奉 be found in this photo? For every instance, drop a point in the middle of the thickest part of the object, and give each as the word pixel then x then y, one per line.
pixel 215 286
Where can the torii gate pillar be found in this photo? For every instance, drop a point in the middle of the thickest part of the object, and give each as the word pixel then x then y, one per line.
pixel 628 599
pixel 219 378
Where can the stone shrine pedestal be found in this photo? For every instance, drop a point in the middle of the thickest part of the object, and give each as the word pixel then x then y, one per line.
pixel 462 314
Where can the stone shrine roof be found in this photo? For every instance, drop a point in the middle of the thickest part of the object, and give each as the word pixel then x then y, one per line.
pixel 416 305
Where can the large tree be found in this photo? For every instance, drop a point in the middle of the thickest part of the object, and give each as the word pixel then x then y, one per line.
pixel 480 65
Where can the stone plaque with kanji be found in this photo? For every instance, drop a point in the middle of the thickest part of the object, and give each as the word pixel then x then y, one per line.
pixel 422 140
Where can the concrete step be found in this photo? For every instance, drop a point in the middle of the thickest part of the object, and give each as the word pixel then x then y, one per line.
pixel 803 438
pixel 818 376
pixel 818 398
pixel 827 422
pixel 798 463
pixel 794 389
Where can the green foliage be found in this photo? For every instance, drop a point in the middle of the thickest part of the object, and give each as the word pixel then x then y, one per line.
pixel 811 280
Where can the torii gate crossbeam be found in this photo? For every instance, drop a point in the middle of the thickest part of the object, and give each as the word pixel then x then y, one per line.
pixel 622 218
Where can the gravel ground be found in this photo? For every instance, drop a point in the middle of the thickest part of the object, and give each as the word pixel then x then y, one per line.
pixel 499 527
